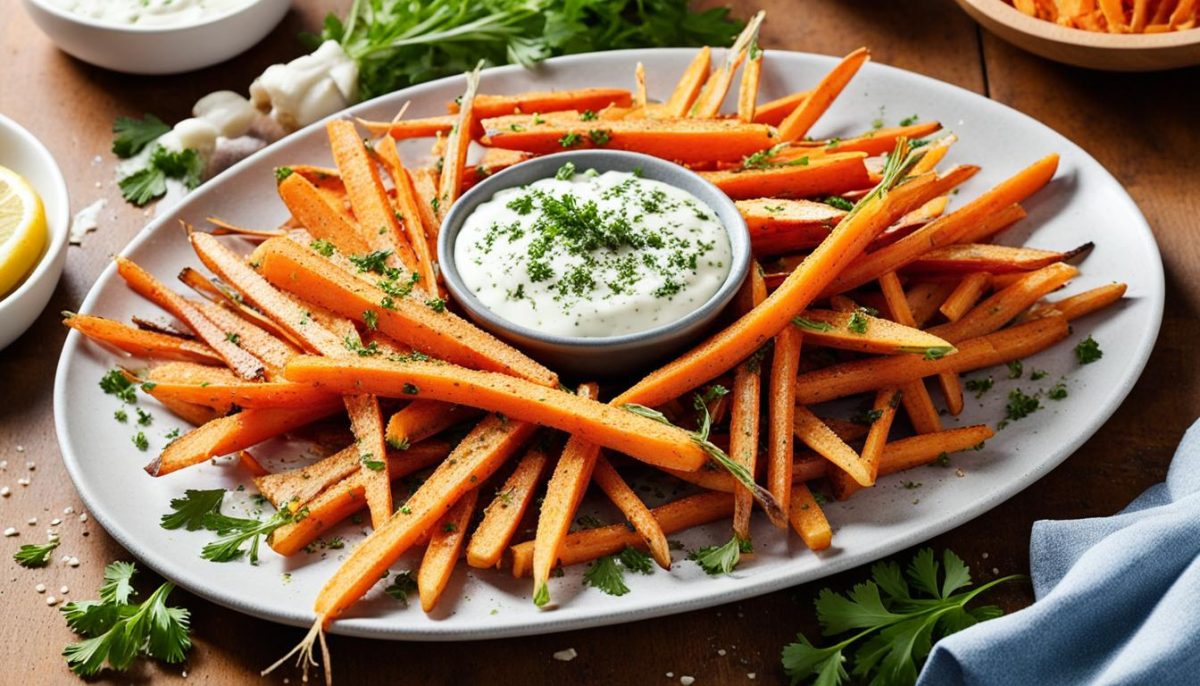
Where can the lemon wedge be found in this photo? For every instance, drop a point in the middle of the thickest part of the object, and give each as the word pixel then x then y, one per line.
pixel 22 229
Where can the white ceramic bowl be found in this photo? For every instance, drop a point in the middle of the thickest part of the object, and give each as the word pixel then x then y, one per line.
pixel 24 154
pixel 158 49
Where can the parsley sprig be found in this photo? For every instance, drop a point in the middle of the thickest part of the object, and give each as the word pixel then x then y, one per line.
pixel 239 536
pixel 722 559
pixel 608 573
pixel 150 182
pixel 901 616
pixel 117 631
pixel 33 555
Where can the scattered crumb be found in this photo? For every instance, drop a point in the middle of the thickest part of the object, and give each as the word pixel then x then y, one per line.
pixel 687 680
pixel 32 521
pixel 959 473
pixel 68 510
pixel 721 652
pixel 751 676
pixel 51 600
pixel 23 481
pixel 83 517
pixel 40 588
pixel 984 556
pixel 30 466
pixel 566 655
pixel 10 531
pixel 5 492
pixel 20 448
pixel 73 562
pixel 85 221
pixel 64 590
pixel 670 675
pixel 995 570
pixel 55 522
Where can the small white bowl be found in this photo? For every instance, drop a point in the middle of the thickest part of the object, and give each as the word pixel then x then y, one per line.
pixel 158 49
pixel 24 154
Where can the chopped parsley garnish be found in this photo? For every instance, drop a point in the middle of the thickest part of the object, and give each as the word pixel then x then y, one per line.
pixel 858 322
pixel 839 202
pixel 323 247
pixel 282 173
pixel 198 510
pixel 1088 351
pixel 1038 374
pixel 570 139
pixel 355 346
pixel 403 585
pixel 979 386
pixel 1019 406
pixel 604 574
pixel 33 555
pixel 368 460
pixel 765 159
pixel 812 325
pixel 233 338
pixel 1015 369
pixel 371 319
pixel 411 389
pixel 436 304
pixel 909 121
pixel 867 417
pixel 564 173
pixel 116 383
pixel 587 115
pixel 374 261
pixel 599 137
pixel 144 418
pixel 1058 392
pixel 121 416
pixel 140 441
pixel 150 182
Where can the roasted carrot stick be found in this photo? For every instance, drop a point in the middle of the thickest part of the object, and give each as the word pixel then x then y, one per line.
pixel 263 344
pixel 613 427
pixel 827 175
pixel 862 332
pixel 406 319
pixel 366 422
pixel 445 545
pixel 454 161
pixel 883 412
pixel 594 99
pixel 1082 304
pixel 946 230
pixel 322 219
pixel 925 297
pixel 816 435
pixel 917 403
pixel 1004 305
pixel 233 433
pixel 502 517
pixel 634 510
pixel 708 104
pixel 475 459
pixel 798 123
pixel 781 409
pixel 377 223
pixel 241 362
pixel 995 259
pixel 915 451
pixel 402 129
pixel 410 214
pixel 879 141
pixel 223 394
pixel 808 520
pixel 738 341
pixel 849 378
pixel 747 399
pixel 140 343
pixel 689 85
pixel 965 295
pixel 587 545
pixel 775 111
pixel 684 140
pixel 748 89
pixel 421 419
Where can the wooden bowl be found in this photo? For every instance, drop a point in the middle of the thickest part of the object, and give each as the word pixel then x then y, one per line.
pixel 1107 51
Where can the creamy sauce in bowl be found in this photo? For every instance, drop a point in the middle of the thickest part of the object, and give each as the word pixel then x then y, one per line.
pixel 150 13
pixel 587 255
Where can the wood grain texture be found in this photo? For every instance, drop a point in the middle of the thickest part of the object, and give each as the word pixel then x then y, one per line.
pixel 1136 125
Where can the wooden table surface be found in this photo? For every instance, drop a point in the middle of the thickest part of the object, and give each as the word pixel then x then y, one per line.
pixel 1140 126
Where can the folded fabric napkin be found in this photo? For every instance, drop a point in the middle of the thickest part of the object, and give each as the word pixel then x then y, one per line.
pixel 1118 599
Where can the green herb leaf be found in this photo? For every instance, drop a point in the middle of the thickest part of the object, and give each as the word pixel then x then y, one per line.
pixel 116 383
pixel 193 509
pixel 812 325
pixel 33 555
pixel 604 574
pixel 403 585
pixel 132 135
pixel 1088 351
pixel 636 560
pixel 722 559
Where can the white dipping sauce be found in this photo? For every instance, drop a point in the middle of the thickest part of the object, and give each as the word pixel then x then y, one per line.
pixel 587 255
pixel 163 13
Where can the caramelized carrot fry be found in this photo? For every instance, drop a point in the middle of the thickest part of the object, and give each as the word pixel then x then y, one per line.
pixel 738 341
pixel 251 465
pixel 408 320
pixel 816 435
pixel 377 223
pixel 421 419
pixel 689 85
pixel 1007 303
pixel 241 362
pixel 883 413
pixel 263 344
pixel 850 378
pixel 502 517
pixel 798 123
pixel 879 141
pixel 915 451
pixel 808 520
pixel 747 399
pixel 322 219
pixel 590 544
pixel 236 432
pixel 984 257
pixel 787 225
pixel 934 154
pixel 304 484
pixel 445 545
pixel 748 88
pixel 994 224
pixel 594 99
pixel 856 330
pixel 925 297
pixel 342 496
pixel 828 175
pixel 409 214
pixel 917 403
pixel 1082 304
pixel 634 510
pixel 196 415
pixel 609 426
pixel 946 230
pixel 775 111
pixel 965 295
pixel 454 161
pixel 475 459
pixel 402 129
pixel 366 421
pixel 781 415
pixel 708 104
pixel 683 140
pixel 424 184
pixel 140 343
pixel 222 394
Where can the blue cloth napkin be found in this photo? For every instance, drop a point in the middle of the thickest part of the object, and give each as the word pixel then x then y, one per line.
pixel 1118 599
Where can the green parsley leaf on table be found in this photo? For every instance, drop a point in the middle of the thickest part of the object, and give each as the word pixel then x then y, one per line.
pixel 132 135
pixel 191 511
pixel 117 632
pixel 896 616
pixel 33 555
pixel 150 182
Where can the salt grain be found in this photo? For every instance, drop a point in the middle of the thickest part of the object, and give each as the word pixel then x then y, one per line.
pixel 670 675
pixel 51 600
pixel 55 522
pixel 721 652
pixel 566 655
pixel 995 570
pixel 40 588
pixel 3 465
pixel 23 481
pixel 20 448
pixel 32 521
pixel 984 556
pixel 10 531
pixel 68 510
pixel 73 562
pixel 751 676
pixel 64 590
pixel 5 492
pixel 83 517
pixel 30 466
pixel 687 680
